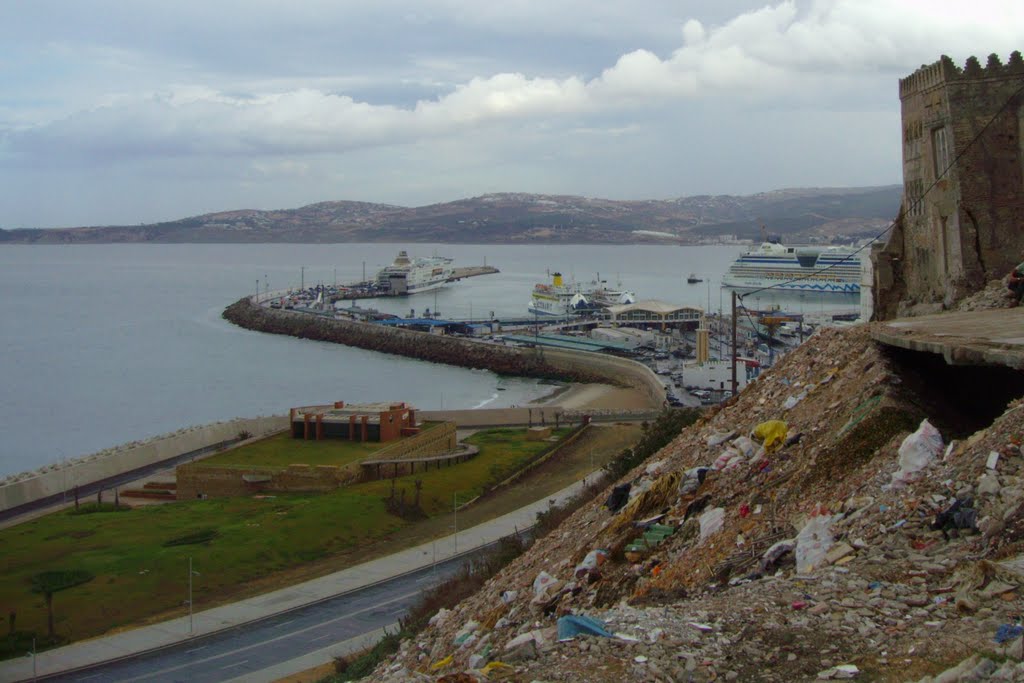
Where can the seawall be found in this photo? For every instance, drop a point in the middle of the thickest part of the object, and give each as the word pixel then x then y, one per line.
pixel 28 487
pixel 550 364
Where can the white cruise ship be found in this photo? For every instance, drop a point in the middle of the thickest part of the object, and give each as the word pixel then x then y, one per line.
pixel 561 299
pixel 411 276
pixel 800 269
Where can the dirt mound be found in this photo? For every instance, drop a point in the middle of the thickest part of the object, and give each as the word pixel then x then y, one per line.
pixel 834 544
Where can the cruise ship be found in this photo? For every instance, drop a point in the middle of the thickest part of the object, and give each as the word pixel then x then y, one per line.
pixel 561 299
pixel 413 275
pixel 800 269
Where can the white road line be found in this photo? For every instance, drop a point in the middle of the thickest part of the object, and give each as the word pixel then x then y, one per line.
pixel 195 649
pixel 85 678
pixel 231 666
pixel 326 635
pixel 285 623
pixel 153 674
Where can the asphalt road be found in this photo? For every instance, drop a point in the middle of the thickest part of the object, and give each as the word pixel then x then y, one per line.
pixel 253 647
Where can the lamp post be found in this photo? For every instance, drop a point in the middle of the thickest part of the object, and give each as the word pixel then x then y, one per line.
pixel 190 574
pixel 455 516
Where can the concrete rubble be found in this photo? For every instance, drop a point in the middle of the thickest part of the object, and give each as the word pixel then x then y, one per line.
pixel 794 559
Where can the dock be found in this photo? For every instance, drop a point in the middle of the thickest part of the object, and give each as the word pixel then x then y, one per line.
pixel 368 289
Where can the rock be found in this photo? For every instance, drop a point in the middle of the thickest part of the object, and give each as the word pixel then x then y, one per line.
pixel 988 484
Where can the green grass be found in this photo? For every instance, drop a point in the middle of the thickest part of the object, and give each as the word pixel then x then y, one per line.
pixel 283 450
pixel 138 576
pixel 502 452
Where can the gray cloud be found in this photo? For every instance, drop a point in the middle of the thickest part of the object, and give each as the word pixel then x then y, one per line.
pixel 406 102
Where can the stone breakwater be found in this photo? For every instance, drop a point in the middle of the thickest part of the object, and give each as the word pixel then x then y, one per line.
pixel 423 346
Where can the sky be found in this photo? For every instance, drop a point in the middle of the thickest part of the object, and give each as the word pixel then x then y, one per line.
pixel 116 112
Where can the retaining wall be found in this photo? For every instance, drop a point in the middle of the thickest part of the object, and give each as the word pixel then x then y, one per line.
pixel 197 480
pixel 52 480
pixel 433 441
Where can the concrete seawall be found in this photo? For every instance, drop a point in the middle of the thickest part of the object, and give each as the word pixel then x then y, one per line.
pixel 550 363
pixel 54 479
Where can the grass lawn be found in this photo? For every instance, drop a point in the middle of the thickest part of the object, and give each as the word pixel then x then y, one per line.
pixel 283 450
pixel 502 452
pixel 137 576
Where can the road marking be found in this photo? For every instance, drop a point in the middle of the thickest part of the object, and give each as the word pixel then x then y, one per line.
pixel 428 577
pixel 153 674
pixel 285 623
pixel 85 678
pixel 231 666
pixel 326 635
pixel 195 649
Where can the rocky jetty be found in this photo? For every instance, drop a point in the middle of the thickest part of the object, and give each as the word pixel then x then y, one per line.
pixel 420 345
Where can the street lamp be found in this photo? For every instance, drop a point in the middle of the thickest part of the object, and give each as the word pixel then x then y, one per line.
pixel 190 574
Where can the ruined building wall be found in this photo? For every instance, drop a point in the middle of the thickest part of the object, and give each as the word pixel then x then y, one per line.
pixel 969 228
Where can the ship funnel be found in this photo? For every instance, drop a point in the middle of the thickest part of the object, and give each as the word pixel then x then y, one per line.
pixel 557 281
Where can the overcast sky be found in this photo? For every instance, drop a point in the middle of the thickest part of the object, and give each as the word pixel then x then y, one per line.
pixel 116 112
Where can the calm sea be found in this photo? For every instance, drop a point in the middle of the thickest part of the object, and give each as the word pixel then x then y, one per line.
pixel 105 344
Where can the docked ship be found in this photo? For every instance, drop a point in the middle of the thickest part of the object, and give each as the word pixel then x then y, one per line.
pixel 561 299
pixel 413 275
pixel 800 269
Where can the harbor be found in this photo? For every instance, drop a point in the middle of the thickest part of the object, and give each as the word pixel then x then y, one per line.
pixel 691 349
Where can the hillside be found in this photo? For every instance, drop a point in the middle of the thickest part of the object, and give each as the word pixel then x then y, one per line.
pixel 907 586
pixel 796 215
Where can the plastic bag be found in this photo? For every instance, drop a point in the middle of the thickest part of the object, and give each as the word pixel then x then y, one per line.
pixel 917 451
pixel 744 445
pixel 543 586
pixel 813 542
pixel 572 625
pixel 711 522
pixel 590 563
pixel 771 434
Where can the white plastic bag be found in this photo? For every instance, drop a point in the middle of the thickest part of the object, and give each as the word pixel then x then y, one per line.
pixel 917 452
pixel 711 522
pixel 813 542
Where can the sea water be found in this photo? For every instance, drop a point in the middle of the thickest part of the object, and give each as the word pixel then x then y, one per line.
pixel 105 344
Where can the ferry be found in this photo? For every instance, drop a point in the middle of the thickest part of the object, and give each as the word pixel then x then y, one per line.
pixel 414 275
pixel 561 299
pixel 801 269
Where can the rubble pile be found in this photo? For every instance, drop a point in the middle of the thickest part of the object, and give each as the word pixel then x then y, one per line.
pixel 819 526
pixel 995 295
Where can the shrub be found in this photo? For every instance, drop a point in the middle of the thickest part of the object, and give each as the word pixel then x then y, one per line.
pixel 90 508
pixel 655 436
pixel 201 536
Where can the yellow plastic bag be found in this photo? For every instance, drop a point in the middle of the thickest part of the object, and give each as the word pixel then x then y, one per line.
pixel 772 434
pixel 441 663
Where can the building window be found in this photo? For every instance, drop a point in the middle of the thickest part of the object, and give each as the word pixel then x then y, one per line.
pixel 940 150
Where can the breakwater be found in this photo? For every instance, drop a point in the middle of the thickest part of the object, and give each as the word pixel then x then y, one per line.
pixel 504 360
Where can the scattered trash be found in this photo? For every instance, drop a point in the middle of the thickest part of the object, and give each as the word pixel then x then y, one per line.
pixel 493 666
pixel 813 542
pixel 692 479
pixel 640 659
pixel 589 567
pixel 508 597
pixel 544 588
pixel 442 663
pixel 771 434
pixel 776 552
pixel 719 438
pixel 711 522
pixel 916 452
pixel 993 460
pixel 572 625
pixel 618 497
pixel 791 402
pixel 440 617
pixel 839 672
pixel 960 515
pixel 1007 632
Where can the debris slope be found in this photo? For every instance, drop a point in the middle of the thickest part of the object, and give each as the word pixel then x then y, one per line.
pixel 829 522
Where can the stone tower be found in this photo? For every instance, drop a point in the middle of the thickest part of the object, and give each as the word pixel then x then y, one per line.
pixel 949 241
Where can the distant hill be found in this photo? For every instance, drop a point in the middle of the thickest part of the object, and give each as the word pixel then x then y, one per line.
pixel 811 214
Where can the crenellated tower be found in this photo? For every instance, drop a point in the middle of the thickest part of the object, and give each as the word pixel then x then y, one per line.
pixel 969 228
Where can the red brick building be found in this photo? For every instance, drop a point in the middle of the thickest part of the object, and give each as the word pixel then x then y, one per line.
pixel 354 422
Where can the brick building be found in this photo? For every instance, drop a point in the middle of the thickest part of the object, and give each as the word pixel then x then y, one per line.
pixel 951 240
pixel 354 422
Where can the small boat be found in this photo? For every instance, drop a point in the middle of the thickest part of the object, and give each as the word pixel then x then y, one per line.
pixel 693 279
